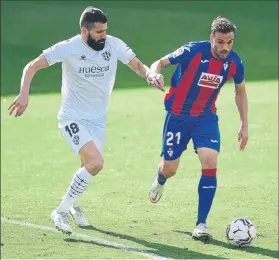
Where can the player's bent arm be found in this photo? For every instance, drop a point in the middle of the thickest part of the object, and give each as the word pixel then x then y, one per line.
pixel 30 70
pixel 137 66
pixel 142 70
pixel 20 103
pixel 160 64
pixel 241 102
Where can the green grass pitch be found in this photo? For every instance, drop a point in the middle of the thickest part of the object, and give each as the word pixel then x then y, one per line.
pixel 37 166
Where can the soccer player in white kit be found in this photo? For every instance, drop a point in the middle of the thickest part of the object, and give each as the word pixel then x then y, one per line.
pixel 89 64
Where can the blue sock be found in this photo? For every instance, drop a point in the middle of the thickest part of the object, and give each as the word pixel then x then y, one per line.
pixel 161 179
pixel 207 188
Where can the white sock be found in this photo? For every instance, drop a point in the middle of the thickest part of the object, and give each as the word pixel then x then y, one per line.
pixel 78 185
pixel 75 202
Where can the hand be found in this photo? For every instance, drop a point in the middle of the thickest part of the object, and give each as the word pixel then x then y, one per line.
pixel 243 137
pixel 19 104
pixel 156 80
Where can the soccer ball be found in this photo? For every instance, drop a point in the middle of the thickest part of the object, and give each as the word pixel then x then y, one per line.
pixel 241 232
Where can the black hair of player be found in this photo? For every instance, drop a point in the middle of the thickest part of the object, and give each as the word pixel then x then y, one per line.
pixel 223 25
pixel 90 16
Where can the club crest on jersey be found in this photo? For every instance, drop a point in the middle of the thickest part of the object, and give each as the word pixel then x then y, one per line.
pixel 106 55
pixel 208 80
pixel 225 65
pixel 178 52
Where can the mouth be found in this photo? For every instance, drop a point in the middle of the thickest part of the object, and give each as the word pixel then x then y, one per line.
pixel 223 55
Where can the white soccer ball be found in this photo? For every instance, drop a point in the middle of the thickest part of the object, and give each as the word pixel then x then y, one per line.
pixel 241 232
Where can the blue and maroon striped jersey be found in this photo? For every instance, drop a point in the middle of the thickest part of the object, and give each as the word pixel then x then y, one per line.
pixel 198 78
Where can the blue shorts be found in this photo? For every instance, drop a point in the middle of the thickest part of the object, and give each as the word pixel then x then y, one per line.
pixel 180 129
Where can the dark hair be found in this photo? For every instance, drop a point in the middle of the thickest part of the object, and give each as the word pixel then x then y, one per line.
pixel 90 16
pixel 223 25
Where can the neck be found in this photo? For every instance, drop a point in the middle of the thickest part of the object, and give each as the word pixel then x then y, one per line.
pixel 84 38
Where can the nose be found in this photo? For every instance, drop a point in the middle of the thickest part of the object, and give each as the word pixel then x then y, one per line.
pixel 226 47
pixel 104 35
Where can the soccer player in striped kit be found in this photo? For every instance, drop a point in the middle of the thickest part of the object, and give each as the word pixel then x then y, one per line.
pixel 202 70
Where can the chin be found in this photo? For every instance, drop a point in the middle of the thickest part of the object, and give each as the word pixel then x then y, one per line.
pixel 222 56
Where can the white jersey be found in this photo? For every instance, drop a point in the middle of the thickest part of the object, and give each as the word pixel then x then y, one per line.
pixel 88 76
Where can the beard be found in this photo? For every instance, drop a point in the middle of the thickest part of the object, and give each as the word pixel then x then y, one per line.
pixel 221 54
pixel 95 45
pixel 224 52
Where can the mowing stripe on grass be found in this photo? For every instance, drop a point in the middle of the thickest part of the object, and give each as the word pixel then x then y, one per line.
pixel 86 237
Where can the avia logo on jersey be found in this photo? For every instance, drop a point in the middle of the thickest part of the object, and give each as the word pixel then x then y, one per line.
pixel 94 71
pixel 208 80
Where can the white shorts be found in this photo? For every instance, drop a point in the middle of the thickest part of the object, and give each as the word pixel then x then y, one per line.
pixel 79 132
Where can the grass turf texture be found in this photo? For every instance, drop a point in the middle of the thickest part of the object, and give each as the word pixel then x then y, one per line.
pixel 37 166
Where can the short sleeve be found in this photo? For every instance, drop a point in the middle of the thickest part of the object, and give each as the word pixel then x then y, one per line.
pixel 182 53
pixel 124 52
pixel 57 53
pixel 239 75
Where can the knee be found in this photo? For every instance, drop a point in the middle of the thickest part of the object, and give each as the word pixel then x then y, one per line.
pixel 211 163
pixel 168 170
pixel 209 159
pixel 93 166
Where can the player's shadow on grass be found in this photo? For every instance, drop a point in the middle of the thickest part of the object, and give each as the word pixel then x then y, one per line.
pixel 156 248
pixel 250 249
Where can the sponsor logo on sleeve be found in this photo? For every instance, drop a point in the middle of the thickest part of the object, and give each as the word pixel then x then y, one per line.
pixel 178 52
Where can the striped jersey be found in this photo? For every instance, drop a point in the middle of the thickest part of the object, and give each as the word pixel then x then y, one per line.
pixel 199 77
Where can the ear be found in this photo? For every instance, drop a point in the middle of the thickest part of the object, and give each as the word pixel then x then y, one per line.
pixel 211 37
pixel 83 31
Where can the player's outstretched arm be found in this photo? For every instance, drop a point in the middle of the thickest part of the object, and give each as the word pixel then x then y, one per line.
pixel 154 79
pixel 20 103
pixel 241 102
pixel 160 64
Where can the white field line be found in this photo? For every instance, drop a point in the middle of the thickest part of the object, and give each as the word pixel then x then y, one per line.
pixel 86 237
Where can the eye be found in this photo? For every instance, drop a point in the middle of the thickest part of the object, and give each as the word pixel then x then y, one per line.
pixel 102 31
